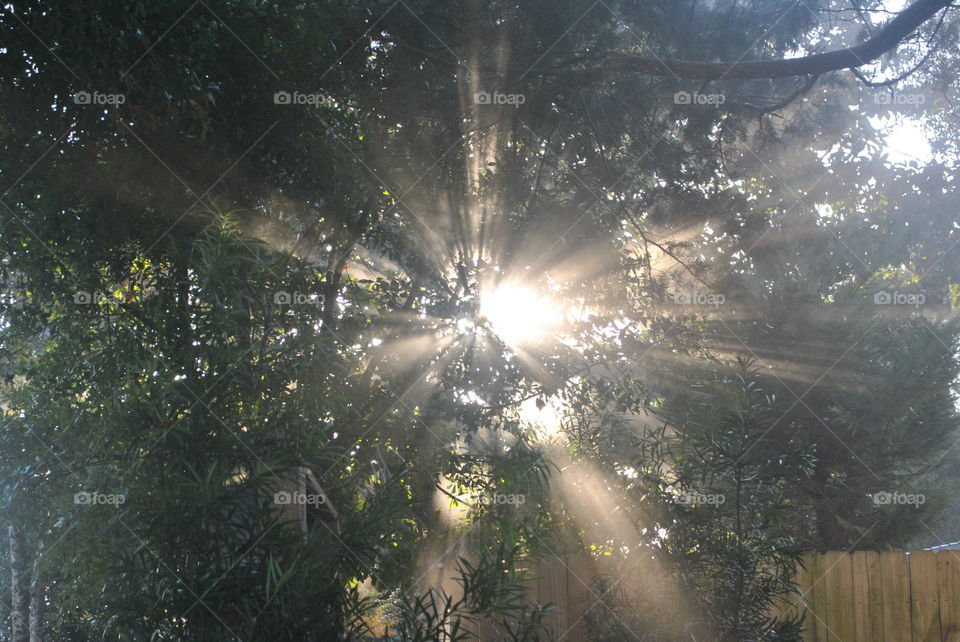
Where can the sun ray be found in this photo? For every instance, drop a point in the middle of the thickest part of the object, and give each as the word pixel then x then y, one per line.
pixel 519 314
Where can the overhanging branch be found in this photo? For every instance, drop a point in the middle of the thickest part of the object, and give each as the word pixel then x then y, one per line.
pixel 887 39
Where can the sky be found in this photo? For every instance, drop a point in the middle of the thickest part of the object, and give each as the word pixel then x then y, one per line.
pixel 905 139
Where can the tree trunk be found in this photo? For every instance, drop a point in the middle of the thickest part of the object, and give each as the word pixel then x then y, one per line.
pixel 36 599
pixel 18 605
pixel 823 512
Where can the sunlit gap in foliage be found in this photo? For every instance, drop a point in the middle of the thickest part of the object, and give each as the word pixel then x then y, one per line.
pixel 519 314
pixel 543 417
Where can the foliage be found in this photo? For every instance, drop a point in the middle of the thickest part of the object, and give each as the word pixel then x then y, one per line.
pixel 267 255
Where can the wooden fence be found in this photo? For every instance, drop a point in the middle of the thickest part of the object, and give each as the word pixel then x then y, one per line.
pixel 564 584
pixel 907 597
pixel 862 596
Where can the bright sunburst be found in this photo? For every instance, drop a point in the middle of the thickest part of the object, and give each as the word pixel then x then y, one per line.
pixel 519 314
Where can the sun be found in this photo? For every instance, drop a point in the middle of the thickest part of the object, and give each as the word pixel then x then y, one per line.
pixel 520 315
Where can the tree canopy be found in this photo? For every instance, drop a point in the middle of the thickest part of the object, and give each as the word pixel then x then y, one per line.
pixel 320 318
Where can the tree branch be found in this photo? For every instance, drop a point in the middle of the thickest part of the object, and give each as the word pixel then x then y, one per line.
pixel 887 39
pixel 896 79
pixel 807 86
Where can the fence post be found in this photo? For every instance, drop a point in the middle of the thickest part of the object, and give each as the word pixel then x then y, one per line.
pixel 924 597
pixel 896 596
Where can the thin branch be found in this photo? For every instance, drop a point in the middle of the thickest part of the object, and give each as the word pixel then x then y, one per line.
pixel 885 40
pixel 673 256
pixel 803 89
pixel 909 72
pixel 453 497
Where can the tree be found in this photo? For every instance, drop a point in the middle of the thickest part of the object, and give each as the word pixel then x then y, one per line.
pixel 727 495
pixel 245 242
pixel 867 379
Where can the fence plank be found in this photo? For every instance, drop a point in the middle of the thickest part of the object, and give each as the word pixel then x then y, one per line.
pixel 875 594
pixel 818 591
pixel 924 597
pixel 792 605
pixel 805 603
pixel 896 596
pixel 581 598
pixel 948 577
pixel 832 599
pixel 838 580
pixel 861 597
pixel 846 627
pixel 552 576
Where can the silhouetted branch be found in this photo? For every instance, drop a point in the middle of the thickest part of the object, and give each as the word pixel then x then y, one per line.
pixel 885 40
